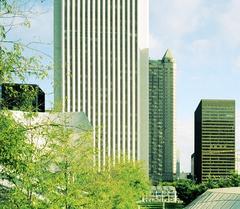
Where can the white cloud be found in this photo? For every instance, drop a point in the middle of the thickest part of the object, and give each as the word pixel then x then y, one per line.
pixel 201 46
pixel 184 18
pixel 154 42
pixel 156 47
pixel 201 50
pixel 176 17
pixel 171 21
pixel 229 22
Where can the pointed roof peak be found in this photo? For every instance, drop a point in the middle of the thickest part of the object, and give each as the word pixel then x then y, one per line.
pixel 168 55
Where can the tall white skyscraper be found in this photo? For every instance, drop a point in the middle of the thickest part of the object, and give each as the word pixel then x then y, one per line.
pixel 101 68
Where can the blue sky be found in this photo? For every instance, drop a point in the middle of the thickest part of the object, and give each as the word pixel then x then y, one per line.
pixel 204 38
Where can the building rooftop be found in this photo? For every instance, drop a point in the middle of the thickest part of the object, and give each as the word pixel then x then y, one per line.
pixel 168 55
pixel 217 198
pixel 74 120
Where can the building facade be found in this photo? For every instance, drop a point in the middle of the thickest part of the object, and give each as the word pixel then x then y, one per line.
pixel 101 68
pixel 24 97
pixel 162 119
pixel 214 139
pixel 237 162
pixel 192 165
pixel 178 170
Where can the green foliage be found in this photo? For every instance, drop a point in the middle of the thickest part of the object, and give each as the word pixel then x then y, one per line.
pixel 187 190
pixel 14 64
pixel 20 97
pixel 119 187
pixel 130 185
pixel 59 173
pixel 13 144
pixel 68 166
pixel 5 7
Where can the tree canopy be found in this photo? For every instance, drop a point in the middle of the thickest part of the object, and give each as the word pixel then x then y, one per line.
pixel 14 63
pixel 58 171
pixel 187 190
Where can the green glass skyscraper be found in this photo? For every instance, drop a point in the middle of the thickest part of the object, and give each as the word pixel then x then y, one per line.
pixel 214 139
pixel 162 119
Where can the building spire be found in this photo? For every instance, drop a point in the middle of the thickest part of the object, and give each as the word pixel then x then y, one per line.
pixel 168 55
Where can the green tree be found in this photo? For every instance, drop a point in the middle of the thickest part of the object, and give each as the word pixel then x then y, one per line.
pixel 16 155
pixel 187 190
pixel 16 151
pixel 14 63
pixel 13 145
pixel 68 167
pixel 59 173
pixel 42 162
pixel 131 184
pixel 119 187
pixel 81 185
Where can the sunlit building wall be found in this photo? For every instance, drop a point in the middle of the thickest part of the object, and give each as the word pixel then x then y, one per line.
pixel 101 68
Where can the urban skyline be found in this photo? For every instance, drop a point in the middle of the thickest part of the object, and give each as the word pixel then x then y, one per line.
pixel 206 65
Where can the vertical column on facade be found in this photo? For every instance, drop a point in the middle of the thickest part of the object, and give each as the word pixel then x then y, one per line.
pixel 76 81
pixel 73 57
pixel 104 57
pixel 109 80
pixel 81 55
pixel 137 79
pixel 84 47
pixel 68 56
pixel 114 79
pixel 123 69
pixel 99 110
pixel 133 80
pixel 94 71
pixel 128 73
pixel 119 4
pixel 89 68
pixel 63 55
pixel 78 58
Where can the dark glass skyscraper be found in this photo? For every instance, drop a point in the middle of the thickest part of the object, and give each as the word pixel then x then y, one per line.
pixel 162 118
pixel 214 139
